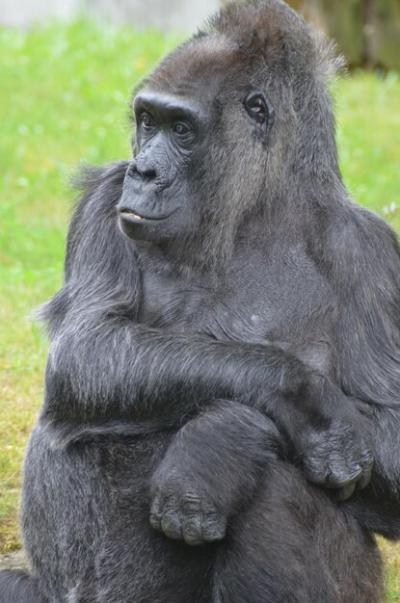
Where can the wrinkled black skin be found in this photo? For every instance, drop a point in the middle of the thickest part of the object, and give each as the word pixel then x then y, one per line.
pixel 224 373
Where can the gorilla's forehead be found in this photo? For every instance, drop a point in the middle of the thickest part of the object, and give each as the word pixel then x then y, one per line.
pixel 198 66
pixel 244 44
pixel 207 61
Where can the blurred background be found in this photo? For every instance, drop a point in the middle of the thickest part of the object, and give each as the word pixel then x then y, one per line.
pixel 67 68
pixel 367 31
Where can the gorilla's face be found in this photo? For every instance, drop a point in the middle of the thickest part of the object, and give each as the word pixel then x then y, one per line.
pixel 209 159
pixel 184 160
pixel 159 191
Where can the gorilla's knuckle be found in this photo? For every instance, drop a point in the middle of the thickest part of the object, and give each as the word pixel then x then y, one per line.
pixel 191 502
pixel 214 528
pixel 338 463
pixel 192 529
pixel 171 526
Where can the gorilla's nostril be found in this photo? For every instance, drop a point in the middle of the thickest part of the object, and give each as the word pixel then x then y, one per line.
pixel 148 174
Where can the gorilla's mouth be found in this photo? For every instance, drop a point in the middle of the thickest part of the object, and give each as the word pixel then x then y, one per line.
pixel 132 216
pixel 129 214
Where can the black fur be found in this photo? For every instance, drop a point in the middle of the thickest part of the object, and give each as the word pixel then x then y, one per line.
pixel 18 587
pixel 227 375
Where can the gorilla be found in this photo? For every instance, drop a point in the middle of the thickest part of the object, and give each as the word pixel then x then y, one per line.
pixel 221 421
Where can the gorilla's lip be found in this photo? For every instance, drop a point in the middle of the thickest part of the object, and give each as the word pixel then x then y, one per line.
pixel 132 216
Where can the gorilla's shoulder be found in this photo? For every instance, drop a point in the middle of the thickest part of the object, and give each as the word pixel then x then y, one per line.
pixel 360 242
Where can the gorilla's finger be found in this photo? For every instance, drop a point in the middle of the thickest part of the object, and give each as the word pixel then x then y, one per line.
pixel 156 513
pixel 214 527
pixel 171 525
pixel 192 530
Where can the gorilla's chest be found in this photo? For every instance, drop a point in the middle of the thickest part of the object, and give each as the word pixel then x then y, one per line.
pixel 278 299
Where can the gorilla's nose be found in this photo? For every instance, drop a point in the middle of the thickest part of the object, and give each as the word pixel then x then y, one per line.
pixel 142 170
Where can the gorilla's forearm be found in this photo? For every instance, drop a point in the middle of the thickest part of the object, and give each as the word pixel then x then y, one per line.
pixel 211 471
pixel 120 369
pixel 117 368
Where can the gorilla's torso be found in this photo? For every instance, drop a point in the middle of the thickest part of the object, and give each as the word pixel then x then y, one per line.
pixel 256 301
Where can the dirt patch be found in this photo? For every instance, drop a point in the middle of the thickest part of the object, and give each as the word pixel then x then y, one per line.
pixel 14 560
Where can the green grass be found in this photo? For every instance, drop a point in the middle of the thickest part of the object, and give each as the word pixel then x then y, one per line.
pixel 63 99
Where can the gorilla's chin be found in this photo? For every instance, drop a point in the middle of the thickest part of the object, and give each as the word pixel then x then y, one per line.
pixel 135 226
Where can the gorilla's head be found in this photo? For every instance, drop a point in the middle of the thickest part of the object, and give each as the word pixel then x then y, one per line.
pixel 233 124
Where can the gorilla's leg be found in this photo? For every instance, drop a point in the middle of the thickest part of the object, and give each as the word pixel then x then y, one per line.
pixel 87 531
pixel 86 526
pixel 294 545
pixel 18 587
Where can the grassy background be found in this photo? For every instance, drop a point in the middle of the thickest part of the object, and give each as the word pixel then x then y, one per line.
pixel 63 98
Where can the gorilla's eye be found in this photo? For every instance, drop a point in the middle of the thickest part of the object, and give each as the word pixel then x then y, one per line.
pixel 256 106
pixel 183 132
pixel 181 128
pixel 146 121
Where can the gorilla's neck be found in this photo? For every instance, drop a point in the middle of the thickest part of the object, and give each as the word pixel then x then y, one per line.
pixel 211 250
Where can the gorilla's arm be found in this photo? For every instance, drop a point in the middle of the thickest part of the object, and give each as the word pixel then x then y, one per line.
pixel 105 367
pixel 211 471
pixel 366 274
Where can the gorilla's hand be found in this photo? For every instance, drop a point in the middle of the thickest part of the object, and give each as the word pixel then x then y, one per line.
pixel 329 433
pixel 210 471
pixel 336 457
pixel 183 509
